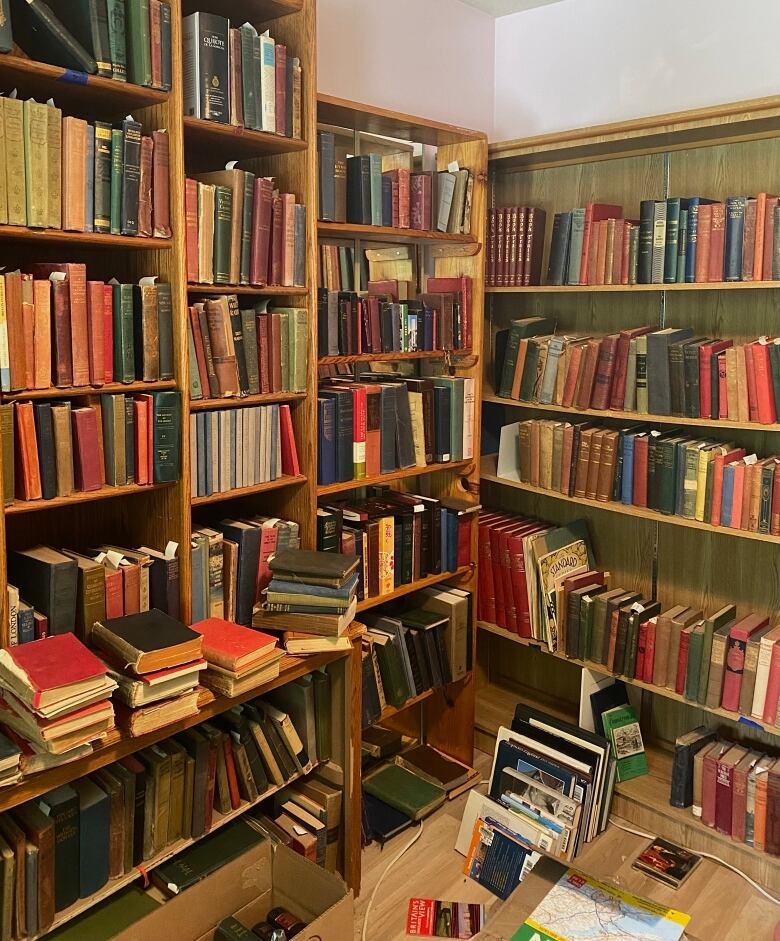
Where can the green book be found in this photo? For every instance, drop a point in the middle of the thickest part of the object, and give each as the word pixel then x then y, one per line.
pixel 124 351
pixel 587 611
pixel 110 917
pixel 404 791
pixel 103 173
pixel 456 386
pixel 167 436
pixel 682 246
pixel 165 328
pixel 223 223
pixel 693 669
pixel 112 408
pixel 712 624
pixel 284 343
pixel 247 34
pixel 116 39
pixel 249 331
pixel 138 38
pixel 88 22
pixel 375 176
pixel 621 727
pixel 117 172
pixel 388 657
pixel 323 708
pixel 246 227
pixel 296 341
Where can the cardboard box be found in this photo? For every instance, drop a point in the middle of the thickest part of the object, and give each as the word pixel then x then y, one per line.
pixel 249 888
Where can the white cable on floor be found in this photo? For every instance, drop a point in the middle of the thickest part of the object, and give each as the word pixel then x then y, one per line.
pixel 717 859
pixel 390 865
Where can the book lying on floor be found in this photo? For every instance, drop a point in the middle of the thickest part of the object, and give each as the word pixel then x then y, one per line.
pixel 403 790
pixel 437 768
pixel 433 918
pixel 667 862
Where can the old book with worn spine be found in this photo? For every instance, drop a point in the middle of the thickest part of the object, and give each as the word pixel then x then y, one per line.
pixel 131 176
pixel 74 187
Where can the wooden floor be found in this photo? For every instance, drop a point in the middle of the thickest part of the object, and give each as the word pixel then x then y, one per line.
pixel 722 905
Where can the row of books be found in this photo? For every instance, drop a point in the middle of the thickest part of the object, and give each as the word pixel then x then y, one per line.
pixel 241 447
pixel 241 230
pixel 337 267
pixel 658 372
pixel 235 351
pixel 440 319
pixel 230 564
pixel 58 591
pixel 127 42
pixel 398 537
pixel 515 246
pixel 671 472
pixel 53 449
pixel 59 329
pixel 63 173
pixel 732 788
pixel 240 77
pixel 372 189
pixel 386 422
pixel 675 240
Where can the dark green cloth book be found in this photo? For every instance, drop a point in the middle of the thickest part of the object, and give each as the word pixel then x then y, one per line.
pixel 6 33
pixel 329 569
pixel 223 219
pixel 403 790
pixel 94 827
pixel 88 22
pixel 167 436
pixel 109 918
pixel 43 36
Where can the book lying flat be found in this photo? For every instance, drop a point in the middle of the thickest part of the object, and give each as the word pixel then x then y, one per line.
pixel 434 766
pixel 326 625
pixel 149 718
pixel 405 791
pixel 162 684
pixel 232 646
pixel 149 641
pixel 317 568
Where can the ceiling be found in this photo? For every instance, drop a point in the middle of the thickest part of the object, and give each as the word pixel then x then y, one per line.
pixel 503 7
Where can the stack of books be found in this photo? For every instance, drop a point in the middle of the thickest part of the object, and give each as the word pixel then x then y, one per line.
pixel 55 697
pixel 310 592
pixel 239 658
pixel 515 246
pixel 156 662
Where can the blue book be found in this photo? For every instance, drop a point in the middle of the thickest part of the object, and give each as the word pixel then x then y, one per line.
pixel 498 863
pixel 627 491
pixel 25 624
pixel 444 552
pixel 199 580
pixel 321 591
pixel 326 441
pixel 452 539
pixel 375 176
pixel 387 201
pixel 247 538
pixel 691 236
pixel 94 826
pixel 728 495
pixel 735 233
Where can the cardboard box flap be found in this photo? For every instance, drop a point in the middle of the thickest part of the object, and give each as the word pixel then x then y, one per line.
pixel 291 872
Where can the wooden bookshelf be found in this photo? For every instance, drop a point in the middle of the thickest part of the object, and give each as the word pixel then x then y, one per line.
pixel 237 492
pixel 239 401
pixel 79 497
pixel 240 141
pixel 726 149
pixel 389 711
pixel 20 233
pixel 384 233
pixel 403 474
pixel 403 590
pixel 69 392
pixel 268 291
pixel 391 357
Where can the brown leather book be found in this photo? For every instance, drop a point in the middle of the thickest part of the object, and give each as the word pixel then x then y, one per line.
pixel 39 829
pixel 87 462
pixel 206 194
pixel 594 463
pixel 288 240
pixel 262 329
pixel 95 321
pixel 261 231
pixel 234 181
pixel 15 323
pixel 62 349
pixel 534 246
pixel 76 274
pixel 678 624
pixel 585 390
pixel 606 476
pixel 236 91
pixel 161 190
pixel 222 346
pixel 145 188
pixel 28 470
pixel 74 181
pixel 546 429
pixel 155 42
pixel 566 459
pixel 63 448
pixel 277 240
pixel 28 319
pixel 146 327
pixel 535 448
pixel 42 364
pixel 191 225
pixel 583 461
pixel 297 114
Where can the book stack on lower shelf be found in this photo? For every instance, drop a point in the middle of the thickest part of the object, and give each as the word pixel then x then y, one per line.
pixel 238 659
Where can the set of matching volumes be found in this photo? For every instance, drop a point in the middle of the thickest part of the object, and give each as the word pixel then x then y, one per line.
pixel 673 473
pixel 515 246
pixel 384 422
pixel 53 449
pixel 674 241
pixel 230 564
pixel 63 173
pixel 240 77
pixel 124 40
pixel 351 324
pixel 240 230
pixel 243 447
pixel 372 189
pixel 398 537
pixel 337 267
pixel 59 329
pixel 641 369
pixel 55 592
pixel 731 788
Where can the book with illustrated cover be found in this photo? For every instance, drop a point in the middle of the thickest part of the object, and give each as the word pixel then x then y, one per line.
pixel 667 862
pixel 621 726
pixel 433 918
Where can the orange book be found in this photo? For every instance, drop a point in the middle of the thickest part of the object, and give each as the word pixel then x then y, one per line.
pixel 95 324
pixel 131 583
pixel 79 322
pixel 115 594
pixel 74 181
pixel 602 235
pixel 108 333
pixel 703 234
pixel 717 242
pixel 28 470
pixel 28 319
pixel 141 433
pixel 747 492
pixel 765 398
pixel 759 812
pixel 750 376
pixel 743 408
pixel 42 366
pixel 593 246
pixel 570 386
pixel 519 365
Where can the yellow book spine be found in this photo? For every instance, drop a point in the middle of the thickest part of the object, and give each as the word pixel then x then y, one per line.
pixel 386 555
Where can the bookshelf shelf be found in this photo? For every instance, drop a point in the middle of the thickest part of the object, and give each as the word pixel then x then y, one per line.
pixel 278 484
pixel 257 11
pixel 600 668
pixel 268 290
pixel 382 233
pixel 78 92
pixel 95 239
pixel 391 357
pixel 240 142
pixel 403 474
pixel 239 401
pixel 86 496
pixel 722 423
pixel 389 711
pixel 635 288
pixel 403 590
pixel 489 475
pixel 67 392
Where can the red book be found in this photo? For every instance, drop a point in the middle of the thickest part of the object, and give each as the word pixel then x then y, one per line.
pixel 420 213
pixel 774 518
pixel 399 179
pixel 641 650
pixel 624 273
pixel 96 319
pixel 605 370
pixel 641 451
pixel 261 231
pixel 460 286
pixel 211 779
pixel 709 782
pixel 703 232
pixel 719 463
pixel 618 394
pixel 510 613
pixel 28 469
pixel 570 385
pixel 682 660
pixel 724 788
pixel 141 415
pixel 115 593
pixel 769 238
pixel 594 212
pixel 717 241
pixel 706 352
pixel 589 374
pixel 359 431
pixel 772 687
pixel 52 669
pixel 277 241
pixel 280 104
pixel 765 396
pixel 87 463
pixel 601 234
pixel 772 832
pixel 486 599
pixel 230 767
pixel 108 333
pixel 723 401
pixel 191 228
pixel 762 199
pixel 650 651
pixel 79 328
pixel 290 465
pixel 463 556
pixel 233 647
pixel 498 580
pixel 750 374
pixel 268 539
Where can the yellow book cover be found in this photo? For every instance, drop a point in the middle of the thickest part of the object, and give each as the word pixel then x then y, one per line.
pixel 386 555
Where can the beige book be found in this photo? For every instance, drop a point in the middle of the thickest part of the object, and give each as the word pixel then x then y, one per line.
pixel 206 233
pixel 3 184
pixel 297 86
pixel 418 428
pixel 743 411
pixel 54 167
pixel 234 181
pixel 42 327
pixel 229 576
pixel 13 113
pixel 468 417
pixel 36 163
pixel 74 182
pixel 63 448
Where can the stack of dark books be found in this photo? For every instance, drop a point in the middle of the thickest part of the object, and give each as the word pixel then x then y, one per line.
pixel 155 661
pixel 310 592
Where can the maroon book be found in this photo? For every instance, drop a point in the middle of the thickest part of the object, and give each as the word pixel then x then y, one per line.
pixel 277 239
pixel 534 246
pixel 420 201
pixel 87 460
pixel 605 370
pixel 772 836
pixel 280 103
pixel 618 394
pixel 261 230
pixel 724 787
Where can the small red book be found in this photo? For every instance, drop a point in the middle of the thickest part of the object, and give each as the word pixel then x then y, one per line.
pixel 290 464
pixel 232 646
pixel 108 333
pixel 88 466
pixel 95 326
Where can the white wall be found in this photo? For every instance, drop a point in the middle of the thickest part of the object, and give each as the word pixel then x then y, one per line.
pixel 432 58
pixel 583 62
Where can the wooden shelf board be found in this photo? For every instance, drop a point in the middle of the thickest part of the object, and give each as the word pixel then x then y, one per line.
pixel 268 290
pixel 76 91
pixel 362 117
pixel 403 590
pixel 723 423
pixel 635 288
pixel 86 496
pixel 341 487
pixel 238 401
pixel 383 233
pixel 120 882
pixel 236 143
pixel 390 357
pixel 600 668
pixel 488 475
pixel 120 745
pixel 21 233
pixel 278 484
pixel 256 11
pixel 66 392
pixel 390 711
